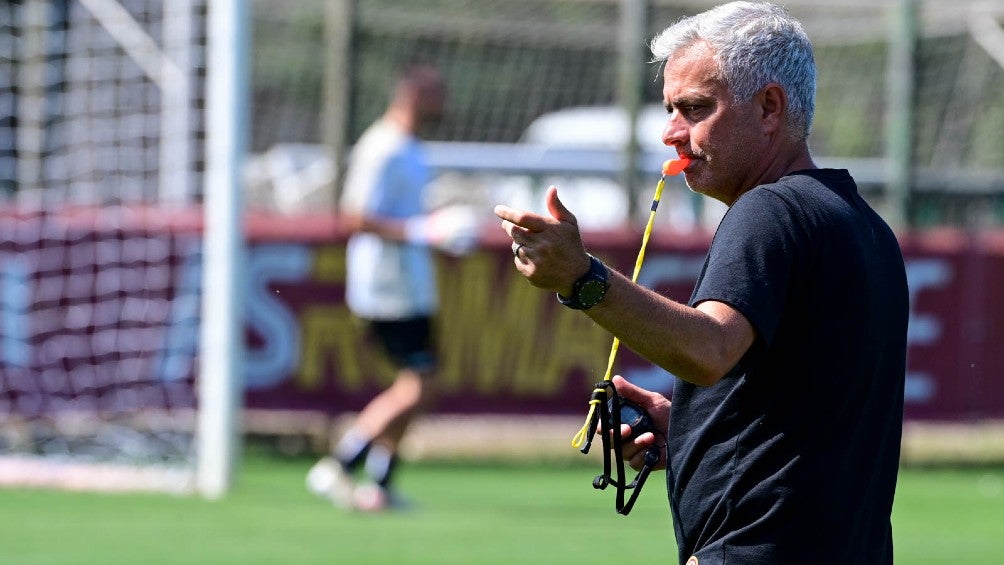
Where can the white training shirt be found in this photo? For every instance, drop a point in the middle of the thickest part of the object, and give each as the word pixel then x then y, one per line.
pixel 387 177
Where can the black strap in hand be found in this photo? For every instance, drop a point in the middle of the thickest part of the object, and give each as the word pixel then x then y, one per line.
pixel 613 412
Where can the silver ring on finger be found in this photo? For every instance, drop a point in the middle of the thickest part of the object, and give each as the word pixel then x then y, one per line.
pixel 515 249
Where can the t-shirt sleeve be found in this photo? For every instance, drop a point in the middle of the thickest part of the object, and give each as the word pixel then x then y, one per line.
pixel 388 190
pixel 753 260
pixel 400 187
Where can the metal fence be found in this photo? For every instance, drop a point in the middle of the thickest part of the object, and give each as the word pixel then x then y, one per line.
pixel 910 93
pixel 106 93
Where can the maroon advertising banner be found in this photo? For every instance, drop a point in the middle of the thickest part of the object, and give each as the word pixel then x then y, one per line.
pixel 507 347
pixel 99 316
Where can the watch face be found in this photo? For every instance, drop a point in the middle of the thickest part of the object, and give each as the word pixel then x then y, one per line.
pixel 591 292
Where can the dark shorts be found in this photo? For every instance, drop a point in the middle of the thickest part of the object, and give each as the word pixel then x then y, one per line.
pixel 408 343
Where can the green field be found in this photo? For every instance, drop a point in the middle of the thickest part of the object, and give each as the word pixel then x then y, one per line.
pixel 463 513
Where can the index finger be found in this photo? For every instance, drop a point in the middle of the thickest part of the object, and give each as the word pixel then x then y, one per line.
pixel 522 218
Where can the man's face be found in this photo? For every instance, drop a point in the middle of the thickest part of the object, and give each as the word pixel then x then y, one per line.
pixel 430 102
pixel 705 124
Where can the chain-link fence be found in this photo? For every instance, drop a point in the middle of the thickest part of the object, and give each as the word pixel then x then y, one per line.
pixel 510 62
pixel 77 116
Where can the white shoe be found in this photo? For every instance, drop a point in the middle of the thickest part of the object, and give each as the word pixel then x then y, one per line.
pixel 371 497
pixel 327 479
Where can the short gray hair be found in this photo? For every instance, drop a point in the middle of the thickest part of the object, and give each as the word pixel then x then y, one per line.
pixel 755 43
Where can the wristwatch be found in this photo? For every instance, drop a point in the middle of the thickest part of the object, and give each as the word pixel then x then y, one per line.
pixel 589 290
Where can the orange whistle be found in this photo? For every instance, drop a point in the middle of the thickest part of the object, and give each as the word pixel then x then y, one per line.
pixel 674 166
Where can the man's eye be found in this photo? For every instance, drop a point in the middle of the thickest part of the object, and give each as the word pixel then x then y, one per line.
pixel 689 111
pixel 694 111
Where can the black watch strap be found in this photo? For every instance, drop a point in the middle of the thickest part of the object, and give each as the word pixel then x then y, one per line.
pixel 591 287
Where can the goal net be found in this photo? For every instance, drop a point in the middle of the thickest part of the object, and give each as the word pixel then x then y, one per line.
pixel 100 256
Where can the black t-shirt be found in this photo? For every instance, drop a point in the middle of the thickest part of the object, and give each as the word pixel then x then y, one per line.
pixel 792 457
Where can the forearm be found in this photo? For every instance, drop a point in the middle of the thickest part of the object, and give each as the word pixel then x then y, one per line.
pixel 688 342
pixel 387 228
pixel 698 344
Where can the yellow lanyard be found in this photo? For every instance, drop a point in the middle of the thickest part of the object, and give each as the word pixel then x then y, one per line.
pixel 669 168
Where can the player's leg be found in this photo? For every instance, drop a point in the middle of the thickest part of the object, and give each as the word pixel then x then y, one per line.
pixel 409 395
pixel 387 416
pixel 385 421
pixel 375 435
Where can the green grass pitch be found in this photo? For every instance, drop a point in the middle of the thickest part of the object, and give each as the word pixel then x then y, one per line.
pixel 463 513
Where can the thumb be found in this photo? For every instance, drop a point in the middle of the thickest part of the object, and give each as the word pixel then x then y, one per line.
pixel 556 208
pixel 654 404
pixel 630 391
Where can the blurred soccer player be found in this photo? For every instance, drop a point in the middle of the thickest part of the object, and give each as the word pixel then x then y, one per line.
pixel 391 286
pixel 782 444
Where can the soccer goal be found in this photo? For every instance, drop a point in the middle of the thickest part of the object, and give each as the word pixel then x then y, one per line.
pixel 103 242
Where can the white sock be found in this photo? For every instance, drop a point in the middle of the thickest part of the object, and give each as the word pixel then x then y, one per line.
pixel 351 448
pixel 380 463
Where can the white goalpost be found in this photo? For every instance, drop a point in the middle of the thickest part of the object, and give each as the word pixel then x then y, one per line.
pixel 222 336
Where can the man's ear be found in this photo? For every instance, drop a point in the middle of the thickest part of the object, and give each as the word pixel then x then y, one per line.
pixel 773 103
